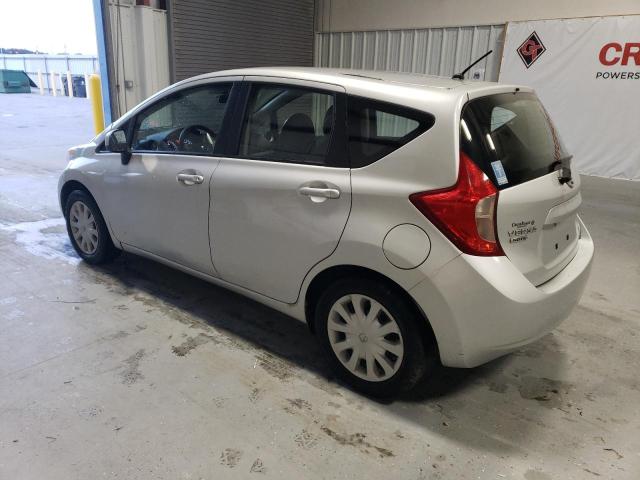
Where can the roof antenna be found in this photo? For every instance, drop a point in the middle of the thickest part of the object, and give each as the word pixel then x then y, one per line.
pixel 460 76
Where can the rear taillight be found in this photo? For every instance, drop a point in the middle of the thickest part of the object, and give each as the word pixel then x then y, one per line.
pixel 465 212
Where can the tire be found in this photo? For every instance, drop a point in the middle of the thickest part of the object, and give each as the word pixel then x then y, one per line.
pixel 409 352
pixel 94 244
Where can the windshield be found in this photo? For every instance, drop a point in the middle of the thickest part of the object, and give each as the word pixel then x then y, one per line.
pixel 511 138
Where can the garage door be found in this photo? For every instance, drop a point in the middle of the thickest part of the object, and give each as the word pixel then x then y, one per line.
pixel 209 35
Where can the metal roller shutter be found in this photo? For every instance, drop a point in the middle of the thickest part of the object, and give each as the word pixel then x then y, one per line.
pixel 209 35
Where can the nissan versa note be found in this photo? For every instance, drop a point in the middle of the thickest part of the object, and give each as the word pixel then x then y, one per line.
pixel 405 218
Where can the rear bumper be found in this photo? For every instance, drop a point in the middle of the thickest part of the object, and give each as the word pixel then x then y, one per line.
pixel 482 307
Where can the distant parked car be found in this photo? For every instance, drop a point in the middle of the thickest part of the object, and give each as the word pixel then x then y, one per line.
pixel 405 218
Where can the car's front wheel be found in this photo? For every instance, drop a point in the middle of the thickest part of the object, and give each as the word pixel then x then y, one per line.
pixel 372 336
pixel 87 229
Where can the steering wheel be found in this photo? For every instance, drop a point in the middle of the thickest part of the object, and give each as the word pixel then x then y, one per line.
pixel 186 138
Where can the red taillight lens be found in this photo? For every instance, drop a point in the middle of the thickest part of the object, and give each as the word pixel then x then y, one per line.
pixel 466 212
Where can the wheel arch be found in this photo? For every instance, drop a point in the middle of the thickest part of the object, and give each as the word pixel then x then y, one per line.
pixel 324 278
pixel 72 185
pixel 68 187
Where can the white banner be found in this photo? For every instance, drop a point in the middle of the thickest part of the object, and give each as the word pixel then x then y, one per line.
pixel 587 73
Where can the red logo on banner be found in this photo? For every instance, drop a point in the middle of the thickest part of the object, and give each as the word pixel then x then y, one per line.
pixel 531 49
pixel 613 53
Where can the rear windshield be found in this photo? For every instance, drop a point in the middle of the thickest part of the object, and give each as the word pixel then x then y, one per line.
pixel 511 138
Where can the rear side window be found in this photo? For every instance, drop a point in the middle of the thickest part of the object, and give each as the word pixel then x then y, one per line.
pixel 378 128
pixel 511 138
pixel 286 123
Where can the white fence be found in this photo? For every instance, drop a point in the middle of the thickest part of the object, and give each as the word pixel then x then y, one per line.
pixel 47 64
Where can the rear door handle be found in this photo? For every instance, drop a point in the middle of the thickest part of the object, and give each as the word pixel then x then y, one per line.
pixel 319 192
pixel 190 178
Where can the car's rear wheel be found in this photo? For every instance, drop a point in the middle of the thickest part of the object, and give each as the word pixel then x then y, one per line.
pixel 373 336
pixel 87 229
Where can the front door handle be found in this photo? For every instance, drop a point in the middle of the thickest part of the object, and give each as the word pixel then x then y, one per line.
pixel 319 192
pixel 190 178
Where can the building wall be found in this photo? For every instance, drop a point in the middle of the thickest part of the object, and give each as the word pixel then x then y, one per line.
pixel 437 37
pixel 434 51
pixel 221 34
pixel 360 15
pixel 140 53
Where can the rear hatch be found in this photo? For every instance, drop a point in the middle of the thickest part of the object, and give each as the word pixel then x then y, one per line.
pixel 512 139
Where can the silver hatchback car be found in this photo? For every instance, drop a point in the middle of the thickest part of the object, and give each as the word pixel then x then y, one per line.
pixel 406 218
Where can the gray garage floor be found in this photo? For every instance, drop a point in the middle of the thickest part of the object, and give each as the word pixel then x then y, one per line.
pixel 136 371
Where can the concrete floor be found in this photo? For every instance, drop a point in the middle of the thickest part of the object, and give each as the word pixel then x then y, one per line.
pixel 137 371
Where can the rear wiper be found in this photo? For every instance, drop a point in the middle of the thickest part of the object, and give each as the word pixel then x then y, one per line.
pixel 562 167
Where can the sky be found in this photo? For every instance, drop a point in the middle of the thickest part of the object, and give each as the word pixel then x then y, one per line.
pixel 48 26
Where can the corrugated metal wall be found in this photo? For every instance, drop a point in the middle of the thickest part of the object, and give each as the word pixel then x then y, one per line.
pixel 435 51
pixel 209 35
pixel 140 53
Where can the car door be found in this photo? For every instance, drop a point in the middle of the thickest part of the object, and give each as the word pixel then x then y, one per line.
pixel 281 204
pixel 162 195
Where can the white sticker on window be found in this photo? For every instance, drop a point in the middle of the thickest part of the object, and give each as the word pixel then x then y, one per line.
pixel 498 171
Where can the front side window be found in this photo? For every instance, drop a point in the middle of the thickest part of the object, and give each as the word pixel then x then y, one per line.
pixel 288 124
pixel 187 122
pixel 378 128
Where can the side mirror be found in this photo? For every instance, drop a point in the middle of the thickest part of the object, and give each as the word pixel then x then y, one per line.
pixel 116 141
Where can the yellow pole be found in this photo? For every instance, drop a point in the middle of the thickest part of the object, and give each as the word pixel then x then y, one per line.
pixel 95 95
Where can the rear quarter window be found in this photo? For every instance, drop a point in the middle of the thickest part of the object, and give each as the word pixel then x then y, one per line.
pixel 378 128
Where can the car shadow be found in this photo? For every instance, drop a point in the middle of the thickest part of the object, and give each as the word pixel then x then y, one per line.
pixel 472 406
pixel 201 304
